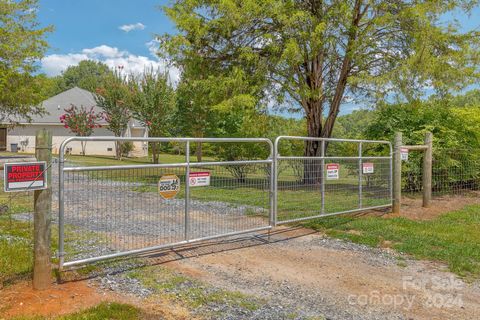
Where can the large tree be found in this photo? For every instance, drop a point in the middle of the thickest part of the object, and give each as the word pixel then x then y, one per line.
pixel 321 53
pixel 152 99
pixel 88 75
pixel 22 45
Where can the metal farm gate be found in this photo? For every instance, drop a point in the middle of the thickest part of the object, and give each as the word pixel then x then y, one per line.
pixel 110 211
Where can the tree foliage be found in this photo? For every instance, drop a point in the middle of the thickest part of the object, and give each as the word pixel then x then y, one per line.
pixel 318 53
pixel 22 45
pixel 153 100
pixel 81 121
pixel 113 98
pixel 88 75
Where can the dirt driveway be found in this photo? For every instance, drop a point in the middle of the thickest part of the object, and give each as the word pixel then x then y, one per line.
pixel 329 278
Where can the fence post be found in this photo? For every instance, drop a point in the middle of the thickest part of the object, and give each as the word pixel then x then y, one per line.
pixel 42 269
pixel 427 170
pixel 187 192
pixel 397 172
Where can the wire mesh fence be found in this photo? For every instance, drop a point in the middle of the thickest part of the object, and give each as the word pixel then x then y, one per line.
pixel 109 211
pixel 346 176
pixel 454 172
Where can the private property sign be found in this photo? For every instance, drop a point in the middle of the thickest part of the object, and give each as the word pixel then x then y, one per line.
pixel 199 179
pixel 25 176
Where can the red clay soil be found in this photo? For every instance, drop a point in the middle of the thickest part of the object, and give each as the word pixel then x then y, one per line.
pixel 412 207
pixel 21 300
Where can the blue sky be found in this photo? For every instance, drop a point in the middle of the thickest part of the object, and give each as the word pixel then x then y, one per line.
pixel 120 33
pixel 117 32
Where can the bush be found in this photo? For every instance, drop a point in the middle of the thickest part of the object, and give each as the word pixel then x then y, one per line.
pixel 126 148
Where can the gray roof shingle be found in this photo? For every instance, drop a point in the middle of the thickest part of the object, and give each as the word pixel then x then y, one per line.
pixel 56 105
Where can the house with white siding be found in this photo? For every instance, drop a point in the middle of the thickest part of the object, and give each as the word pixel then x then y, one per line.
pixel 22 136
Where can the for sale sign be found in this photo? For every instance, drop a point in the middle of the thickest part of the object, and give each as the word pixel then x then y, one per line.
pixel 368 167
pixel 168 186
pixel 404 154
pixel 333 171
pixel 199 179
pixel 25 176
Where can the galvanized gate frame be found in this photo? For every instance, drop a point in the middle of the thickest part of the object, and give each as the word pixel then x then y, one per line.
pixel 322 158
pixel 273 194
pixel 187 165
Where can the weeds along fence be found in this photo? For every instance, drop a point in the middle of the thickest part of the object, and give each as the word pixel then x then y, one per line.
pixel 454 172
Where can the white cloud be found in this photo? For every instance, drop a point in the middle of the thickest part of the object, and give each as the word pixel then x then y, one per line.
pixel 54 64
pixel 153 47
pixel 104 51
pixel 133 26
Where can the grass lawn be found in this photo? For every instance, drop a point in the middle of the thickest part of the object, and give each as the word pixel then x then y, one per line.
pixel 16 250
pixel 452 238
pixel 111 311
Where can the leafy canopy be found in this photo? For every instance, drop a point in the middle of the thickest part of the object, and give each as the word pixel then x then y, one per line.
pixel 321 53
pixel 22 45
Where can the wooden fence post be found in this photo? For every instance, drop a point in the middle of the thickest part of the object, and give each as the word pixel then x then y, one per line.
pixel 42 269
pixel 427 170
pixel 397 172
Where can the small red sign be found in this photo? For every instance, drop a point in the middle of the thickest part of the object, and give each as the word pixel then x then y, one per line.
pixel 25 176
pixel 333 166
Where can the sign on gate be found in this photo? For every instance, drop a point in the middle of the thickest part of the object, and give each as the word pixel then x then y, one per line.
pixel 199 179
pixel 168 186
pixel 25 176
pixel 368 168
pixel 404 154
pixel 333 171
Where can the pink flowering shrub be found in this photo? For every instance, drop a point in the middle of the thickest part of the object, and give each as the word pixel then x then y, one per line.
pixel 81 121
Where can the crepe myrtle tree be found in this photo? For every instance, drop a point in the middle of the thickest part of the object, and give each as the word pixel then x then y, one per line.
pixel 152 99
pixel 81 121
pixel 315 53
pixel 113 98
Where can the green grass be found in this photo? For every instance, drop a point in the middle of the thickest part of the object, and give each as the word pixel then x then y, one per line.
pixel 452 238
pixel 16 257
pixel 189 292
pixel 111 161
pixel 17 202
pixel 111 311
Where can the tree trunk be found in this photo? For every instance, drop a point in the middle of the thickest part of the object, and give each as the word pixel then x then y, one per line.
pixel 154 152
pixel 198 150
pixel 118 152
pixel 312 168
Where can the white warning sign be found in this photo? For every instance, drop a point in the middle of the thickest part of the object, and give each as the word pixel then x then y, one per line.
pixel 333 171
pixel 199 179
pixel 368 168
pixel 404 154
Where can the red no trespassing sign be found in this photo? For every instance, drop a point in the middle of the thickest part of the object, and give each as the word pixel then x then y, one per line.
pixel 25 176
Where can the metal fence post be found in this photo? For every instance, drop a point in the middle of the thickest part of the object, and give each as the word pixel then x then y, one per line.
pixel 273 187
pixel 360 176
pixel 61 206
pixel 42 269
pixel 187 191
pixel 427 170
pixel 397 172
pixel 322 173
